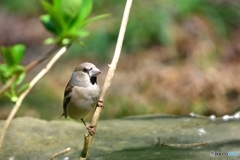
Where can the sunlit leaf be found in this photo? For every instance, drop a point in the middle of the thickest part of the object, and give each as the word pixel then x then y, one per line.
pixel 14 98
pixel 20 78
pixel 13 55
pixel 85 10
pixel 13 95
pixel 66 19
pixel 85 23
pixel 3 68
pixel 18 52
pixel 70 9
pixel 77 33
pixel 53 20
pixel 50 41
pixel 66 41
pixel 82 33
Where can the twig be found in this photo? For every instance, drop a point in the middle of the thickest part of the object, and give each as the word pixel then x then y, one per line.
pixel 185 145
pixel 31 84
pixel 59 153
pixel 29 67
pixel 88 138
pixel 7 84
pixel 189 145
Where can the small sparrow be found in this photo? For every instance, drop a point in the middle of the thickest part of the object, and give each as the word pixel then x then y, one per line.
pixel 82 93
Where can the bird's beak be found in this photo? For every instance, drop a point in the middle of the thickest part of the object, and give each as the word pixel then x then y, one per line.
pixel 94 72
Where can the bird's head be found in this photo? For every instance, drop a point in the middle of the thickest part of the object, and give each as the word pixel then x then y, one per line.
pixel 85 73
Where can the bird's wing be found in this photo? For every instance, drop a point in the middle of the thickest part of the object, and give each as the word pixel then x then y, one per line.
pixel 67 97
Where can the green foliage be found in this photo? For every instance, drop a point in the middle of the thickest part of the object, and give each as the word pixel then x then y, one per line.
pixel 67 19
pixel 154 23
pixel 12 57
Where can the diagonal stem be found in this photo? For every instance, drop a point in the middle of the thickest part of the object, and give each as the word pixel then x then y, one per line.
pixel 112 67
pixel 31 84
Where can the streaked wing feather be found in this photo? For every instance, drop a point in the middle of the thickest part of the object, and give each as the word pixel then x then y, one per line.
pixel 67 97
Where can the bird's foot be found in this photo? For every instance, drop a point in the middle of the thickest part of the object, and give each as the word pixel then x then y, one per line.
pixel 100 104
pixel 90 130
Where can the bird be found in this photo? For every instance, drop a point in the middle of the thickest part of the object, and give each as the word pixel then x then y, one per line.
pixel 82 93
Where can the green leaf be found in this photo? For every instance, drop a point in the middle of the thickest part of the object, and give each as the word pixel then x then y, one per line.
pixel 7 73
pixel 18 52
pixel 17 69
pixel 14 98
pixel 66 19
pixel 70 9
pixel 50 41
pixel 81 33
pixel 7 56
pixel 11 96
pixel 3 69
pixel 13 55
pixel 22 88
pixel 20 79
pixel 48 23
pixel 8 94
pixel 75 12
pixel 58 22
pixel 53 20
pixel 76 34
pixel 66 41
pixel 85 23
pixel 86 9
pixel 46 5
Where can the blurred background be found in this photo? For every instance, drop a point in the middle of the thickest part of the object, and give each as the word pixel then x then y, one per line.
pixel 178 57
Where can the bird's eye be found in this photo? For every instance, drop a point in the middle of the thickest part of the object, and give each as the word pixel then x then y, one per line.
pixel 85 70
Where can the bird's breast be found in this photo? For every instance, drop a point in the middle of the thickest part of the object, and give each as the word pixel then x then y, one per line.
pixel 82 101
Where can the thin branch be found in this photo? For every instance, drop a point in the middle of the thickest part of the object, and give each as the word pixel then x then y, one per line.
pixel 7 84
pixel 190 145
pixel 29 67
pixel 112 67
pixel 186 145
pixel 60 153
pixel 31 84
pixel 33 64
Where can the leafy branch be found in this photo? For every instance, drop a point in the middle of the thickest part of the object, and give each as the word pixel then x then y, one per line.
pixel 12 57
pixel 9 79
pixel 30 86
pixel 66 21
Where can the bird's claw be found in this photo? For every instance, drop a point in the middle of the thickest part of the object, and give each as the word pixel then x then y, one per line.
pixel 100 104
pixel 90 130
